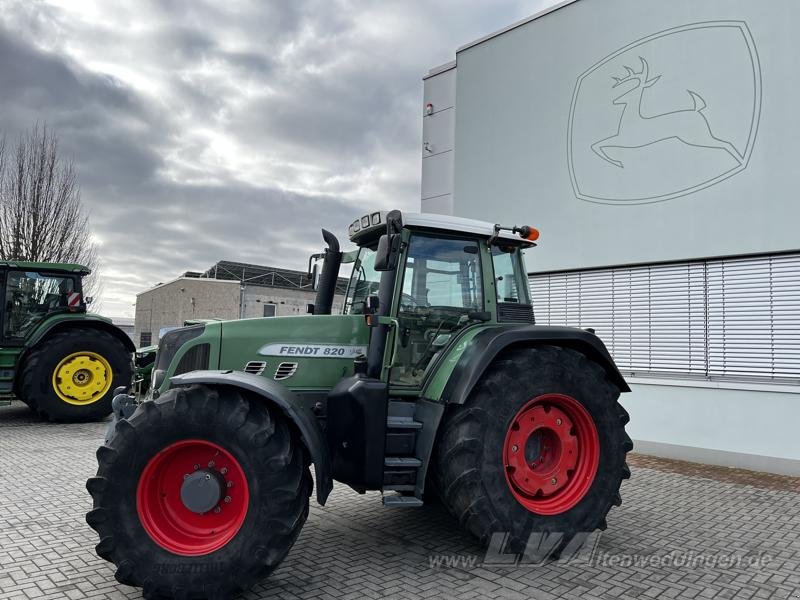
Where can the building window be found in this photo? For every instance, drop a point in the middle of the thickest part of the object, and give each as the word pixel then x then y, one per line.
pixel 731 318
pixel 145 339
pixel 269 309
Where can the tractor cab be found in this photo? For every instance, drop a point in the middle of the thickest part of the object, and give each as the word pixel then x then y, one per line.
pixel 32 292
pixel 432 277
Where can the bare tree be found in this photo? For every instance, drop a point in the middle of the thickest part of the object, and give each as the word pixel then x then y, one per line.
pixel 42 217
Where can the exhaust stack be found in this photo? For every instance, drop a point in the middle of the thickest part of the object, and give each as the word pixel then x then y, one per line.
pixel 329 276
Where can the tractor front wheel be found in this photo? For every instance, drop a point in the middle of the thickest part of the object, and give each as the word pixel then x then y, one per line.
pixel 538 448
pixel 71 376
pixel 199 493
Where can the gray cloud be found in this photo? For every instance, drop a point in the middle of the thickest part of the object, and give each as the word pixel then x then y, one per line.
pixel 206 131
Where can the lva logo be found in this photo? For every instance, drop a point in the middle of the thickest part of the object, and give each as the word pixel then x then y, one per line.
pixel 665 116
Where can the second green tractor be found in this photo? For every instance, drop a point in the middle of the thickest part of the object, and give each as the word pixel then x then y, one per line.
pixel 434 380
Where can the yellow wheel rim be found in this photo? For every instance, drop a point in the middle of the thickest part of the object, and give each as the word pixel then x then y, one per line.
pixel 82 378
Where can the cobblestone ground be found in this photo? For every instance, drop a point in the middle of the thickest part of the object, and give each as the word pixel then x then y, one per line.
pixel 355 548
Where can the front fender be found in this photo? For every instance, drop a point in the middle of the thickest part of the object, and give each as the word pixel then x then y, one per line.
pixel 487 344
pixel 288 402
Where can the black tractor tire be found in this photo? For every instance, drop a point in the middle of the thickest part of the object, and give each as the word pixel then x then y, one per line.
pixel 469 470
pixel 272 460
pixel 37 390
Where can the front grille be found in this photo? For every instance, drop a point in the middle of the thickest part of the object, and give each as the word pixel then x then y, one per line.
pixel 195 359
pixel 171 341
pixel 285 370
pixel 255 367
pixel 513 312
pixel 147 358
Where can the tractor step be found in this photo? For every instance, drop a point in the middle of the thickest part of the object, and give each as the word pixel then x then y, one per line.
pixel 407 462
pixel 402 423
pixel 399 487
pixel 398 501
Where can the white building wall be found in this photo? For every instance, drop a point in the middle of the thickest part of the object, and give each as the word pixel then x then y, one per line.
pixel 537 106
pixel 438 139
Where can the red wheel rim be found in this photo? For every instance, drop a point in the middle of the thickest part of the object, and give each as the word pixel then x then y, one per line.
pixel 165 517
pixel 550 454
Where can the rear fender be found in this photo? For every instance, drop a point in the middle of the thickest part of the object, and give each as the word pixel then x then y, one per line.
pixel 291 406
pixel 488 344
pixel 60 322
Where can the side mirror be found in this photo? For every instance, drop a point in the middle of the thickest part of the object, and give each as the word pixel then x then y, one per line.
pixel 388 252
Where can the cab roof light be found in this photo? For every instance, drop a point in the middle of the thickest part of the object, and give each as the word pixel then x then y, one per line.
pixel 526 232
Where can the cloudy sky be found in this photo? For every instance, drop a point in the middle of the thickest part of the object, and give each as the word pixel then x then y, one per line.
pixel 230 130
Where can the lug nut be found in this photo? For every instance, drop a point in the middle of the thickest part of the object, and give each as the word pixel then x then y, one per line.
pixel 553 481
pixel 196 467
pixel 227 498
pixel 217 510
pixel 208 477
pixel 514 448
pixel 230 484
pixel 210 464
pixel 223 470
pixel 558 421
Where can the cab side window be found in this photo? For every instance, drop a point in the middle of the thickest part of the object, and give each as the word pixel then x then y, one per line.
pixel 509 274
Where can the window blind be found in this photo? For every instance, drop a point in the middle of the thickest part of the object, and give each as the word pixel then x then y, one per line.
pixel 731 318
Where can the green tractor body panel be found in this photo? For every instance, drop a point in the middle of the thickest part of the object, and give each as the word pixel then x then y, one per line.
pixel 437 382
pixel 315 351
pixel 8 367
pixel 323 347
pixel 67 319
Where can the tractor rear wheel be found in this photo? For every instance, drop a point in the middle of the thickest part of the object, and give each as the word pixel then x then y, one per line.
pixel 199 493
pixel 539 447
pixel 71 376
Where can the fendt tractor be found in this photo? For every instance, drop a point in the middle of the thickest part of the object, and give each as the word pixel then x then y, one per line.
pixel 434 380
pixel 63 362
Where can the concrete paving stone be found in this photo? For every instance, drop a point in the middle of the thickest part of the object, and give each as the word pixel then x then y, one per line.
pixel 356 548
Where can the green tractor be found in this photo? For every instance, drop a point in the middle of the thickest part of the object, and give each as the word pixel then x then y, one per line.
pixel 434 380
pixel 63 362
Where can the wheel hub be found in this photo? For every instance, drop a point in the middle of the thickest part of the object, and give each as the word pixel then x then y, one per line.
pixel 544 450
pixel 551 453
pixel 203 490
pixel 192 497
pixel 82 378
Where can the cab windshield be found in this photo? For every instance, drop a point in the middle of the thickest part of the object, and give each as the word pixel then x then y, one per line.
pixel 364 282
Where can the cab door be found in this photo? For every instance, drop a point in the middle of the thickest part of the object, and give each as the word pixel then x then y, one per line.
pixel 441 293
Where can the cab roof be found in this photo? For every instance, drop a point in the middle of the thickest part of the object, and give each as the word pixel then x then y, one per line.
pixel 374 224
pixel 45 266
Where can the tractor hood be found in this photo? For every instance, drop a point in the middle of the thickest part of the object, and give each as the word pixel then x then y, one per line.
pixel 303 352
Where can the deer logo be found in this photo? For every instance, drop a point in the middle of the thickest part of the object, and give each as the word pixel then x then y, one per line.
pixel 637 130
